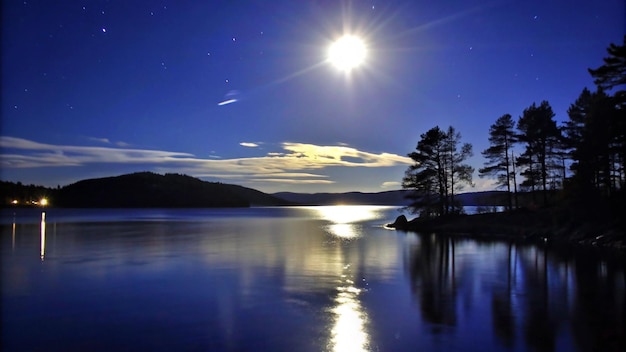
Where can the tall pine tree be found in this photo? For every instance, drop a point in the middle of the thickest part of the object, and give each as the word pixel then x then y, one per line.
pixel 540 134
pixel 592 139
pixel 613 73
pixel 612 77
pixel 499 155
pixel 437 172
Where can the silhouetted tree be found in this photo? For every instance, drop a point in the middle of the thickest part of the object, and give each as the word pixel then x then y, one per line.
pixel 540 135
pixel 613 73
pixel 424 177
pixel 529 172
pixel 612 77
pixel 502 137
pixel 459 173
pixel 591 138
pixel 438 171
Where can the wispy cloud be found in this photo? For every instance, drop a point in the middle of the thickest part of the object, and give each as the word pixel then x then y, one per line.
pixel 30 154
pixel 292 165
pixel 291 181
pixel 391 184
pixel 315 156
pixel 248 144
pixel 100 140
pixel 108 141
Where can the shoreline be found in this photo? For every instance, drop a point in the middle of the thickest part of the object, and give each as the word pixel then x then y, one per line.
pixel 543 225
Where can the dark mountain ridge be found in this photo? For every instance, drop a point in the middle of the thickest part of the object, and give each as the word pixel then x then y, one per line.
pixel 142 190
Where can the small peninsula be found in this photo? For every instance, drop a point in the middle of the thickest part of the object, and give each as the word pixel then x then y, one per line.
pixel 556 224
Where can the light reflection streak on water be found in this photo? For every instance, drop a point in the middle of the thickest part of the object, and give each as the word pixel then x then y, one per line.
pixel 344 230
pixel 349 319
pixel 43 235
pixel 13 235
pixel 343 218
pixel 347 214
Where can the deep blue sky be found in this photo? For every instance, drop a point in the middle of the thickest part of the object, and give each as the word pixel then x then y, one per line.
pixel 101 88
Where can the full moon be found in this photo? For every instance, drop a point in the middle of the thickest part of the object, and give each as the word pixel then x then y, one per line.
pixel 347 52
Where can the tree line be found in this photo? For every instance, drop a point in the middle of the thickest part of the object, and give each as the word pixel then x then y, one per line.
pixel 582 159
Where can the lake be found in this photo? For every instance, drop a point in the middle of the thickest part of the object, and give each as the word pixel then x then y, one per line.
pixel 329 278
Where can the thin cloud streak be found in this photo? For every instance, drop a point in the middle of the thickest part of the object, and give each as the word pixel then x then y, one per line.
pixel 289 166
pixel 100 140
pixel 291 181
pixel 108 141
pixel 391 184
pixel 47 155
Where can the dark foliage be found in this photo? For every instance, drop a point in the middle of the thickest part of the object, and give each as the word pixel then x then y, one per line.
pixel 592 138
pixel 613 73
pixel 502 138
pixel 23 195
pixel 541 138
pixel 438 172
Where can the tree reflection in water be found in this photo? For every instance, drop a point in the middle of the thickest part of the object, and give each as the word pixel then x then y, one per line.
pixel 502 305
pixel 432 274
pixel 538 294
pixel 599 308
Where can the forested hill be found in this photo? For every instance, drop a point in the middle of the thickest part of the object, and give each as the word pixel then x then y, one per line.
pixel 151 190
pixel 349 198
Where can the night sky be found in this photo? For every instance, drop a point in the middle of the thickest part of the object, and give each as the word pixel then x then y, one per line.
pixel 241 91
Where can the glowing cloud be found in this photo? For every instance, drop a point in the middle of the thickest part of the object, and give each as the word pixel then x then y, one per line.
pixel 291 165
pixel 391 184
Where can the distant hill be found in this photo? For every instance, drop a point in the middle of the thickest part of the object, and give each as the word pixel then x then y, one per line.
pixel 385 198
pixel 150 190
pixel 380 198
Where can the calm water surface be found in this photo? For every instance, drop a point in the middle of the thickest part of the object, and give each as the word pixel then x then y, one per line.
pixel 293 279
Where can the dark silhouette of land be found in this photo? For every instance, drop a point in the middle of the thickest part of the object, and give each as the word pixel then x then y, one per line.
pixel 150 190
pixel 139 190
pixel 557 224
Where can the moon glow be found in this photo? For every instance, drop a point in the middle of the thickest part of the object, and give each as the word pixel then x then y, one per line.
pixel 347 52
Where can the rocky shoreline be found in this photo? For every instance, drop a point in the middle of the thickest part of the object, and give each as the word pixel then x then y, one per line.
pixel 544 225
